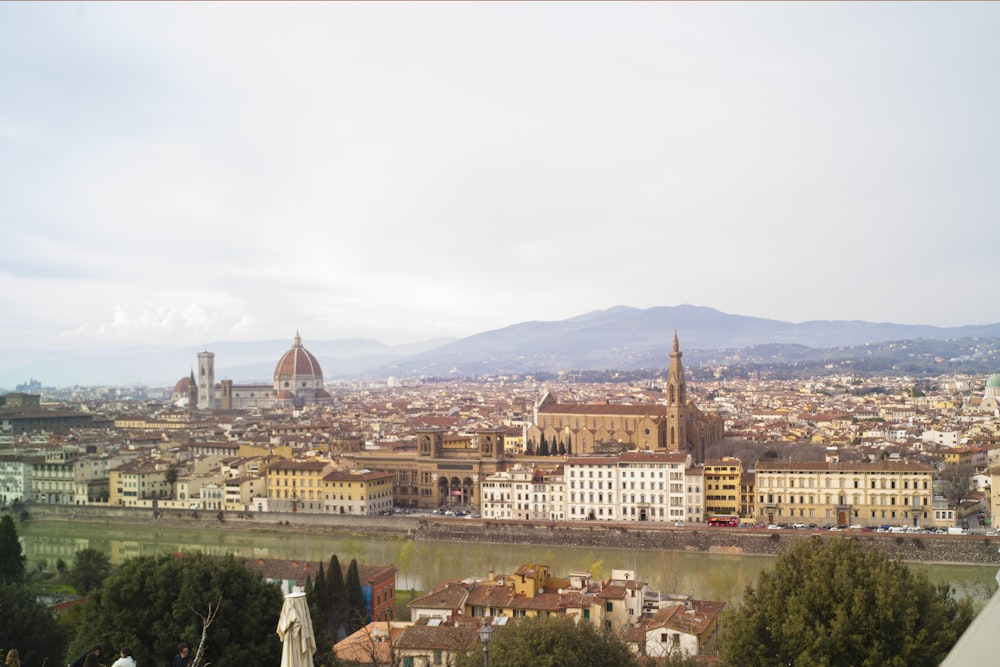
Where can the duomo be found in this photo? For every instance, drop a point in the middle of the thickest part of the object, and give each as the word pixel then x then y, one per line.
pixel 298 382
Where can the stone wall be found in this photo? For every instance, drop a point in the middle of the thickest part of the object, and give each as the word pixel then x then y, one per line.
pixel 919 547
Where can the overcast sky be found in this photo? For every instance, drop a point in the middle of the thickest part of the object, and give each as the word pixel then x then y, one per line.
pixel 184 173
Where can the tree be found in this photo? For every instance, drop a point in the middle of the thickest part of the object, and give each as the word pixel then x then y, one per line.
pixel 29 626
pixel 89 570
pixel 562 448
pixel 170 477
pixel 12 559
pixel 543 448
pixel 357 610
pixel 318 596
pixel 956 483
pixel 569 446
pixel 551 641
pixel 152 603
pixel 337 611
pixel 830 602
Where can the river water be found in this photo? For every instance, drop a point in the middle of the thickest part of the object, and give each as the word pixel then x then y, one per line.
pixel 422 564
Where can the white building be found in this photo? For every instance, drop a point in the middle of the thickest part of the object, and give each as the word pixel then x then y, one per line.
pixel 634 486
pixel 524 493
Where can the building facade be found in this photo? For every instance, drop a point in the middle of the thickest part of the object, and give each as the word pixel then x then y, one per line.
pixel 866 494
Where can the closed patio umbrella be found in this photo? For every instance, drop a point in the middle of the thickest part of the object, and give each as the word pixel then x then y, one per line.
pixel 295 629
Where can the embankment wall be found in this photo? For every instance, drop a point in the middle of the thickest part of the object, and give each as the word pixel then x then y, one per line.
pixel 918 547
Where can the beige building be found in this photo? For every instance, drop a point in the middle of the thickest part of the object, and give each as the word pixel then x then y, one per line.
pixel 137 480
pixel 866 494
pixel 444 471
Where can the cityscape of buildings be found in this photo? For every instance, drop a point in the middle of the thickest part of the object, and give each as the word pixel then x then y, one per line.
pixel 829 451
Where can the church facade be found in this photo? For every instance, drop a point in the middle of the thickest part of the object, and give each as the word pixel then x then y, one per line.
pixel 585 429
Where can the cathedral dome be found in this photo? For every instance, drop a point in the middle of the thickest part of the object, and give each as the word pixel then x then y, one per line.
pixel 182 386
pixel 993 381
pixel 297 369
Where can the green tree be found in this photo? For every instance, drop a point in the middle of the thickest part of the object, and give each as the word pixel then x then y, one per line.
pixel 12 559
pixel 543 448
pixel 152 603
pixel 89 570
pixel 29 626
pixel 551 641
pixel 357 610
pixel 318 596
pixel 170 476
pixel 337 613
pixel 562 448
pixel 830 602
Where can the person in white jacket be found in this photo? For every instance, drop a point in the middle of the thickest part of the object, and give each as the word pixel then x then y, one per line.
pixel 126 659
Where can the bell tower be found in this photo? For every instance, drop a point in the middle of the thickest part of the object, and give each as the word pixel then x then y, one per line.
pixel 676 402
pixel 206 380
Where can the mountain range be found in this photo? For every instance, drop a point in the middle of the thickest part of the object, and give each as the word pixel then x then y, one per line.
pixel 617 338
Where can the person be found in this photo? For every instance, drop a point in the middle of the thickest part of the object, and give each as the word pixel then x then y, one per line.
pixel 183 657
pixel 95 650
pixel 12 659
pixel 93 660
pixel 126 659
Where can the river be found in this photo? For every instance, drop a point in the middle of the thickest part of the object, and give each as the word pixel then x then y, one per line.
pixel 421 564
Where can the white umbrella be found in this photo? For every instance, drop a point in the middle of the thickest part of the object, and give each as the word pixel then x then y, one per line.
pixel 295 629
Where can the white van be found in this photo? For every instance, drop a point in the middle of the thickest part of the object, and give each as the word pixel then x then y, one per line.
pixel 955 530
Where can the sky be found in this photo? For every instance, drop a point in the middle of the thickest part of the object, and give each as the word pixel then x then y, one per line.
pixel 183 173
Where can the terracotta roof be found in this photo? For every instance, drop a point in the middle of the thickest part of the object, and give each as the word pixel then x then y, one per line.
pixel 440 637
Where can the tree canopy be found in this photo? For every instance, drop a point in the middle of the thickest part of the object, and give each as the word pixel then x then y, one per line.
pixel 89 570
pixel 551 641
pixel 28 626
pixel 830 602
pixel 152 603
pixel 12 560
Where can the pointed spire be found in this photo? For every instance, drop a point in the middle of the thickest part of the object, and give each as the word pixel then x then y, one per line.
pixel 677 346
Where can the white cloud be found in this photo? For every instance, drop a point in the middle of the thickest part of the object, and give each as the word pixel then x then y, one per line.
pixel 189 172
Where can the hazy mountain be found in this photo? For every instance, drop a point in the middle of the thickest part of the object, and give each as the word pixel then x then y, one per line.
pixel 619 338
pixel 629 338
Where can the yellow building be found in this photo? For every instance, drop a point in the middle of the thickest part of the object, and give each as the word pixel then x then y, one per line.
pixel 723 480
pixel 866 494
pixel 357 492
pixel 296 486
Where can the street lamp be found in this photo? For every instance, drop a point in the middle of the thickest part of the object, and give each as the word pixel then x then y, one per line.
pixel 485 633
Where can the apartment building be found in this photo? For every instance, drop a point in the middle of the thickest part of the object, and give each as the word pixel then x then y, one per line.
pixel 634 486
pixel 885 492
pixel 296 486
pixel 524 493
pixel 357 492
pixel 723 481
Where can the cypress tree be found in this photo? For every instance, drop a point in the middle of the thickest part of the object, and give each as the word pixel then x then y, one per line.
pixel 337 609
pixel 543 449
pixel 11 556
pixel 357 610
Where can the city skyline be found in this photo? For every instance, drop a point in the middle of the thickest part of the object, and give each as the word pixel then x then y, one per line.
pixel 177 174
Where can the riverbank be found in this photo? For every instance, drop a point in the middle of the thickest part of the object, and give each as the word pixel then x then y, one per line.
pixel 915 547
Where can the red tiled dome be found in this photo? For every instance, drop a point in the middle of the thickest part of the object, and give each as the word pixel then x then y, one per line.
pixel 182 386
pixel 295 366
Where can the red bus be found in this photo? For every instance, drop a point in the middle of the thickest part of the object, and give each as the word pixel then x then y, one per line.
pixel 727 520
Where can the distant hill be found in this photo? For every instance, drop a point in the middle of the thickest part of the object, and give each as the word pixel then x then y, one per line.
pixel 617 338
pixel 631 338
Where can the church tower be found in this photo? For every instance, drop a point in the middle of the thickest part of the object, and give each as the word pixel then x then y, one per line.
pixel 192 396
pixel 676 402
pixel 206 380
